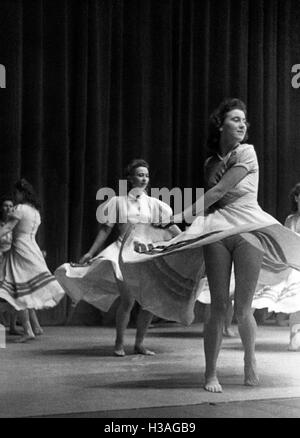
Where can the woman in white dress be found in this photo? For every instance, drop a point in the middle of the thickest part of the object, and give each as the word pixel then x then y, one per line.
pixel 282 297
pixel 7 206
pixel 234 230
pixel 25 280
pixel 98 280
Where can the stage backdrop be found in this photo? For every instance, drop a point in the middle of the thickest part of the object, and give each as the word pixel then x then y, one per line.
pixel 93 84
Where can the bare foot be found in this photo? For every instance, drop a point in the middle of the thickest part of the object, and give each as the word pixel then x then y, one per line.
pixel 140 349
pixel 229 333
pixel 212 385
pixel 38 331
pixel 251 377
pixel 24 339
pixel 119 351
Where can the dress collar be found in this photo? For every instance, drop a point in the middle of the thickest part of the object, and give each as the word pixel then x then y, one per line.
pixel 136 195
pixel 228 153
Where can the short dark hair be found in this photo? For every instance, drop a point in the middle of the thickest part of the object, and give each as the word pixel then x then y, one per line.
pixel 294 192
pixel 217 118
pixel 133 164
pixel 24 187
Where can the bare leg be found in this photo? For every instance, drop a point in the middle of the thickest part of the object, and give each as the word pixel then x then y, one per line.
pixel 13 329
pixel 294 344
pixel 28 333
pixel 228 331
pixel 143 322
pixel 218 268
pixel 122 318
pixel 37 329
pixel 247 264
pixel 206 316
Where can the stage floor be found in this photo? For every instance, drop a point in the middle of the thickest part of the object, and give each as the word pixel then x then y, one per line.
pixel 71 371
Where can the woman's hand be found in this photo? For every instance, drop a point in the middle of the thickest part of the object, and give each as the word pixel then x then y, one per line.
pixel 85 258
pixel 174 230
pixel 169 223
pixel 142 247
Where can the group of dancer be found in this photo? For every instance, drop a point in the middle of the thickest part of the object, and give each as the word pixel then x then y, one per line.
pixel 162 267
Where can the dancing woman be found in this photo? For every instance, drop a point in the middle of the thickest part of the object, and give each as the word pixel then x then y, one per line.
pixel 234 230
pixel 99 280
pixel 25 280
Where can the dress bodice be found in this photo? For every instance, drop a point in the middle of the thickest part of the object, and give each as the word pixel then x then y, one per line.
pixel 29 220
pixel 245 191
pixel 239 206
pixel 293 222
pixel 128 210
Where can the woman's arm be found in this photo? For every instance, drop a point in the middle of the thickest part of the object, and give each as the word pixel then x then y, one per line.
pixel 100 240
pixel 288 222
pixel 8 227
pixel 174 230
pixel 229 180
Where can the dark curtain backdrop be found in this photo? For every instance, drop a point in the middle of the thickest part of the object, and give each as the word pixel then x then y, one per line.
pixel 92 84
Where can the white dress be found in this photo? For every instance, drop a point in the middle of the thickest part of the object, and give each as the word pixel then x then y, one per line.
pixel 25 280
pixel 96 283
pixel 5 242
pixel 5 245
pixel 165 279
pixel 281 296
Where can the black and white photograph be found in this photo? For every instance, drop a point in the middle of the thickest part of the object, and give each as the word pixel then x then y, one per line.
pixel 149 211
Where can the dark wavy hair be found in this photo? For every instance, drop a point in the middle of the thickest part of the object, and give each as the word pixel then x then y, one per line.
pixel 28 192
pixel 294 192
pixel 216 120
pixel 132 165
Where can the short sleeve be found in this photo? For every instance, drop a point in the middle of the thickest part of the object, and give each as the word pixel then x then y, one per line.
pixel 5 242
pixel 245 156
pixel 289 222
pixel 107 213
pixel 206 162
pixel 17 212
pixel 206 169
